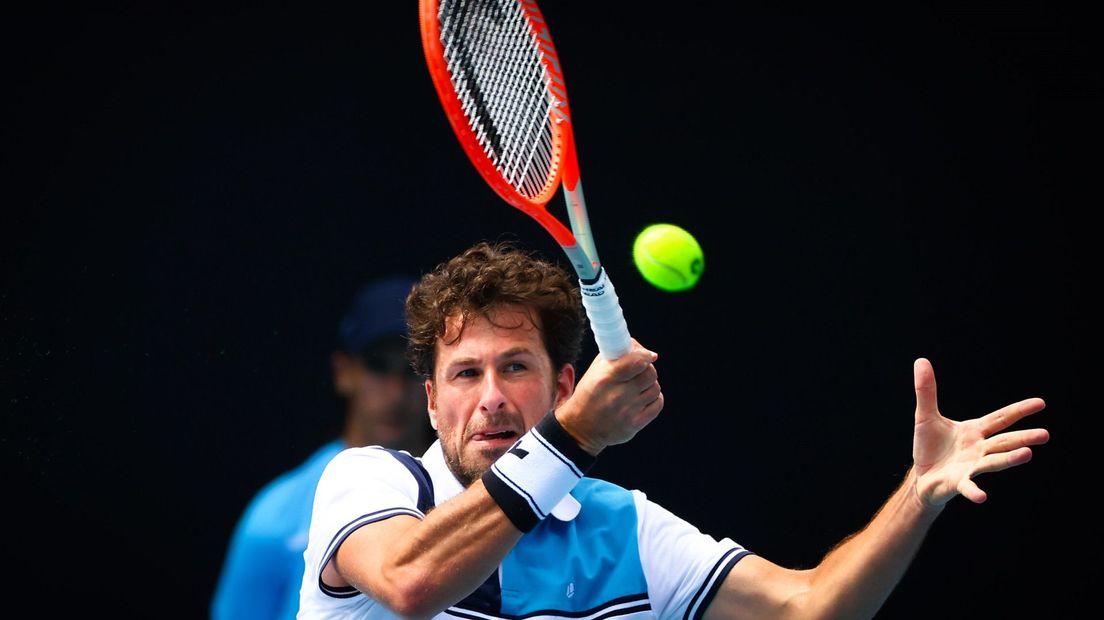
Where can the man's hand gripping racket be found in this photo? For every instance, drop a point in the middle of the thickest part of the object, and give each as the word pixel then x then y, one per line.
pixel 500 82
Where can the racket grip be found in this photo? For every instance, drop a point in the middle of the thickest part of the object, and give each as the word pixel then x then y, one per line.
pixel 611 333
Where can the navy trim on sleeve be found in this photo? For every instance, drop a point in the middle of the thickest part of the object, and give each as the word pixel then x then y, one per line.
pixel 425 483
pixel 704 596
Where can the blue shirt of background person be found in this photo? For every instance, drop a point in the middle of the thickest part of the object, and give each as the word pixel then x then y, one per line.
pixel 384 405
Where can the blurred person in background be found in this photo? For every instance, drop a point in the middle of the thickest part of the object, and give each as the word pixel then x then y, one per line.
pixel 384 405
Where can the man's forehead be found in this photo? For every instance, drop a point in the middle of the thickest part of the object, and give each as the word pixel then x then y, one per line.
pixel 509 317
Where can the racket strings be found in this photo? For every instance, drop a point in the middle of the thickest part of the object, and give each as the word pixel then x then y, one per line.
pixel 495 62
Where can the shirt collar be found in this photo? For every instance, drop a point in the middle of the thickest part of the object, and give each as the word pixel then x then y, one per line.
pixel 446 486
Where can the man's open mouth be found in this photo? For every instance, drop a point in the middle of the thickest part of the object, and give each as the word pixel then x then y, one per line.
pixel 494 435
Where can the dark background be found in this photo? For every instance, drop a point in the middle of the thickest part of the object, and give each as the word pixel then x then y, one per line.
pixel 194 193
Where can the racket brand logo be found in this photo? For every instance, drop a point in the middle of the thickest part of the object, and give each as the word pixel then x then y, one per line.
pixel 596 290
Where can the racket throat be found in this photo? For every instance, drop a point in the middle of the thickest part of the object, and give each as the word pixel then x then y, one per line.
pixel 588 271
pixel 584 255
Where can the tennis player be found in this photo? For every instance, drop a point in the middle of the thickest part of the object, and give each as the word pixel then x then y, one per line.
pixel 499 520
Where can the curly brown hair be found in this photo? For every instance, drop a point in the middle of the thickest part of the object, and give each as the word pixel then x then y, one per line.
pixel 484 278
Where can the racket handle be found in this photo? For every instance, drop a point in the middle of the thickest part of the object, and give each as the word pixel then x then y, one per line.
pixel 606 319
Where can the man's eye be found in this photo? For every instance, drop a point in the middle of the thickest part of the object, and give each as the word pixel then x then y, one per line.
pixel 515 367
pixel 467 372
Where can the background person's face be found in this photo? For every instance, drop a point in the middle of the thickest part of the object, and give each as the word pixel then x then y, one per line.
pixel 391 404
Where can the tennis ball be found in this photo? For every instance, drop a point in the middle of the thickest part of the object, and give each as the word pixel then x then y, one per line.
pixel 668 257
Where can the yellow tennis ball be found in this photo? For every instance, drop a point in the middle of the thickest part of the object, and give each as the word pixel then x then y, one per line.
pixel 668 257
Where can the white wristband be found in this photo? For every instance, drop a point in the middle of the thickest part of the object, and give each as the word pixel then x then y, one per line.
pixel 536 473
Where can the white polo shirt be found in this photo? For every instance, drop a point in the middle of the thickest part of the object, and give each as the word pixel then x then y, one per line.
pixel 621 555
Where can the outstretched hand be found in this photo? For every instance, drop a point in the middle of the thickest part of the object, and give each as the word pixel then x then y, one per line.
pixel 948 455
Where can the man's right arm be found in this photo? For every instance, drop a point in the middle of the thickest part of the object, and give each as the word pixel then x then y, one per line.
pixel 418 568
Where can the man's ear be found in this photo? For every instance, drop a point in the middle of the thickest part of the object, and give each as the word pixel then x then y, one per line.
pixel 342 366
pixel 431 403
pixel 565 384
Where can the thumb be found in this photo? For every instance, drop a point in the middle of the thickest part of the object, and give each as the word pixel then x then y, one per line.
pixel 923 377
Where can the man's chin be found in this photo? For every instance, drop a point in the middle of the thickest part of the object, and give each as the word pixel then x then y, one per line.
pixel 476 463
pixel 489 454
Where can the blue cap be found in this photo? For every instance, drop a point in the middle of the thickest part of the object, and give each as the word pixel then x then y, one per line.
pixel 377 311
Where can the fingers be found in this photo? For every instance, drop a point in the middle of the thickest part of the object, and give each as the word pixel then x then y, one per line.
pixel 651 412
pixel 648 391
pixel 638 370
pixel 639 360
pixel 1001 459
pixel 970 490
pixel 644 379
pixel 1007 442
pixel 1010 414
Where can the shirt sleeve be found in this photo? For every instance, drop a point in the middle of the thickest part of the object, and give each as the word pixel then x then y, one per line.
pixel 359 486
pixel 683 567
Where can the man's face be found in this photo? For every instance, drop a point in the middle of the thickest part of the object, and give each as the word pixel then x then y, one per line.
pixel 490 387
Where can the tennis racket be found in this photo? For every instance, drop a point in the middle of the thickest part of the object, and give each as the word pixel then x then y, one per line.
pixel 499 79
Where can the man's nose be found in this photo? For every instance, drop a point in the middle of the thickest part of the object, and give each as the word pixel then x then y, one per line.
pixel 492 397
